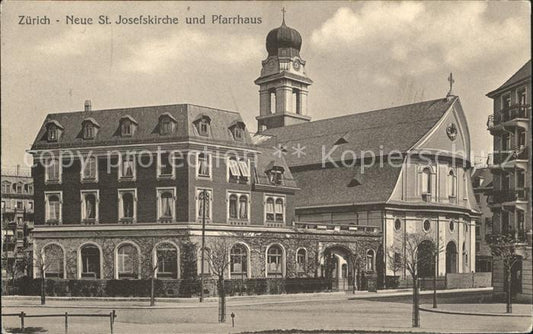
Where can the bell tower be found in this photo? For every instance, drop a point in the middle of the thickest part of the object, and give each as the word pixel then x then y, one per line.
pixel 283 84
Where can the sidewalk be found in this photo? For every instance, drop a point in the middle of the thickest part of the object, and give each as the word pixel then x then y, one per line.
pixel 181 303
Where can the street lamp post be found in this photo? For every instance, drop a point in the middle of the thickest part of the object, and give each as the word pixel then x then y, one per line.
pixel 204 196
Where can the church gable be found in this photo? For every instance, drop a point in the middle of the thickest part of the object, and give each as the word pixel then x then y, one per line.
pixel 450 134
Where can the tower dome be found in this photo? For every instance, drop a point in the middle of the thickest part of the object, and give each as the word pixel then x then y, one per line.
pixel 284 38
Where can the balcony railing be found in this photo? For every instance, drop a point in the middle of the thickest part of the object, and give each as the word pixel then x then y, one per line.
pixel 510 195
pixel 508 114
pixel 518 153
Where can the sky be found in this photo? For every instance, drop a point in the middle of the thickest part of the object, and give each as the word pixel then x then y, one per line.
pixel 361 56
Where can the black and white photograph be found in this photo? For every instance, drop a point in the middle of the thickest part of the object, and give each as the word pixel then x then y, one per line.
pixel 292 167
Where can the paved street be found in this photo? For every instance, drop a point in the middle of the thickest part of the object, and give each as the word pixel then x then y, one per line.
pixel 324 312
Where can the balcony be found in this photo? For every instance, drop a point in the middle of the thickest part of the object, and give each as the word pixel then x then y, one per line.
pixel 510 159
pixel 510 196
pixel 513 116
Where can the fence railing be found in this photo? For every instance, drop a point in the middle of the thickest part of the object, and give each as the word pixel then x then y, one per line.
pixel 112 315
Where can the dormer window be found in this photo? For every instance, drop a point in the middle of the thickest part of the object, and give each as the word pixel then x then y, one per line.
pixel 127 126
pixel 89 131
pixel 275 175
pixel 166 124
pixel 202 125
pixel 90 128
pixel 204 128
pixel 237 130
pixel 53 131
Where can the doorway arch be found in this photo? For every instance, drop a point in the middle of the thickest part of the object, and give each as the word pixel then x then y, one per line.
pixel 339 267
pixel 451 258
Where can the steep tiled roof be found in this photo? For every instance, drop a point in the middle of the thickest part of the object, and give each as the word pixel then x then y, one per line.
pixel 379 131
pixel 523 73
pixel 147 130
pixel 336 186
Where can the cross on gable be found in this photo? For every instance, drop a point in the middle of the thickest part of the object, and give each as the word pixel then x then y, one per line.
pixel 451 81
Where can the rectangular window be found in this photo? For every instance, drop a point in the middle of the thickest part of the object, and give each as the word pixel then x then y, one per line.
pixel 127 205
pixel 127 167
pixel 203 165
pixel 53 207
pixel 238 206
pixel 166 205
pixel 506 101
pixel 522 97
pixel 53 171
pixel 165 165
pixel 30 205
pixel 204 200
pixel 89 206
pixel 274 209
pixel 89 169
pixel 238 170
pixel 20 205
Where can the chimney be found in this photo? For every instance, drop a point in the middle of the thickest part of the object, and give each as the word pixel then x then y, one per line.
pixel 18 170
pixel 87 105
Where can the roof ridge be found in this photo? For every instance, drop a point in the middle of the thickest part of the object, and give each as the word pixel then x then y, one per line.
pixel 358 113
pixel 141 107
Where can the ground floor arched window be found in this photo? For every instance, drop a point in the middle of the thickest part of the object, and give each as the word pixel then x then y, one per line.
pixel 52 261
pixel 275 261
pixel 90 262
pixel 451 258
pixel 239 261
pixel 127 262
pixel 167 261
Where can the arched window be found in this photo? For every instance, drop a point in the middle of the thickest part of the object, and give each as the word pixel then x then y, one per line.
pixel 272 101
pixel 275 261
pixel 426 184
pixel 301 260
pixel 279 210
pixel 451 257
pixel 53 261
pixel 239 261
pixel 243 207
pixel 269 208
pixel 233 206
pixel 167 261
pixel 370 260
pixel 90 262
pixel 452 183
pixel 465 254
pixel 126 128
pixel 127 262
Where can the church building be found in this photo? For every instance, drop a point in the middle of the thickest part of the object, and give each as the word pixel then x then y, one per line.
pixel 123 194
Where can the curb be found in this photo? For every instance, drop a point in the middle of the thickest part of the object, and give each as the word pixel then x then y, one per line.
pixel 476 313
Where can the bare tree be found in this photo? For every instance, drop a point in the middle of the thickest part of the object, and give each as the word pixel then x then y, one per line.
pixel 503 248
pixel 414 259
pixel 394 261
pixel 151 268
pixel 218 258
pixel 49 258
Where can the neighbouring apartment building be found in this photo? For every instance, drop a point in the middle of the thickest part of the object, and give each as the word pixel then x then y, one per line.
pixel 510 125
pixel 119 190
pixel 482 183
pixel 17 220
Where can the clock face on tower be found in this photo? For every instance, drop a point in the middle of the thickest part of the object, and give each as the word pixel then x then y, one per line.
pixel 296 65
